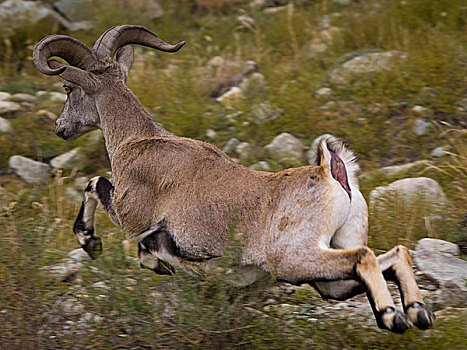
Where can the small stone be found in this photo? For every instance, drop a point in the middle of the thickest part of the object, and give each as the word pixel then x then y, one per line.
pixel 41 93
pixel 72 306
pixel 286 149
pixel 420 127
pixel 438 246
pixel 231 145
pixel 5 96
pixel 211 133
pixel 25 97
pixel 46 113
pixel 361 64
pixel 243 149
pixel 397 169
pixel 440 151
pixel 7 107
pixel 69 160
pixel 443 268
pixel 30 170
pixel 252 84
pixel 261 166
pixel 101 285
pixel 408 190
pixel 324 92
pixel 79 255
pixel 73 194
pixel 231 95
pixel 247 21
pixel 419 110
pixel 81 182
pixel 5 125
pixel 58 97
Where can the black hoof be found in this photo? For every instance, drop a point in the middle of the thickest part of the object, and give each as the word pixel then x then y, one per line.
pixel 394 320
pixel 421 317
pixel 400 323
pixel 93 247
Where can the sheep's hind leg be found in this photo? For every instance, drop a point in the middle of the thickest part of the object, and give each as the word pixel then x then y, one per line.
pixel 358 264
pixel 397 266
pixel 98 190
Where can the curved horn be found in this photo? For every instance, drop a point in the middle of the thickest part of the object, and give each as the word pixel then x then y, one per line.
pixel 71 50
pixel 118 36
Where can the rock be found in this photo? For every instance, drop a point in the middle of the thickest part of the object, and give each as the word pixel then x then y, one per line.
pixel 81 12
pixel 420 110
pixel 420 127
pixel 73 194
pixel 231 95
pixel 5 125
pixel 8 107
pixel 261 166
pixel 15 14
pixel 144 10
pixel 264 111
pixel 25 97
pixel 437 246
pixel 81 182
pixel 58 97
pixel 48 114
pixel 324 92
pixel 252 84
pixel 246 21
pixel 443 268
pixel 282 310
pixel 78 255
pixel 440 151
pixel 5 96
pixel 29 170
pixel 41 93
pixel 286 149
pixel 408 190
pixel 212 134
pixel 72 306
pixel 243 149
pixel 364 64
pixel 397 169
pixel 69 160
pixel 231 145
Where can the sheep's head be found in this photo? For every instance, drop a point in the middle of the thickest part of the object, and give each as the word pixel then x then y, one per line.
pixel 91 70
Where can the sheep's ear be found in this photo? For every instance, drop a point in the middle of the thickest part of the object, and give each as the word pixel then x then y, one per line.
pixel 125 57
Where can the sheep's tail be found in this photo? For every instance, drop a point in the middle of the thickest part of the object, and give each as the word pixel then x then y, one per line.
pixel 339 161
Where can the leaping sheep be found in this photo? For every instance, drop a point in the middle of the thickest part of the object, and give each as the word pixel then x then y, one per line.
pixel 179 197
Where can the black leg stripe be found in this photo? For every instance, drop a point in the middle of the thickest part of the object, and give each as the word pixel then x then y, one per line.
pixel 104 192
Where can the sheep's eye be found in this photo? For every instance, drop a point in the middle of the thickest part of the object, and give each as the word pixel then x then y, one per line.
pixel 67 89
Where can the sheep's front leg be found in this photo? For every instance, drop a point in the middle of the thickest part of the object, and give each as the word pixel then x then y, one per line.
pixel 99 190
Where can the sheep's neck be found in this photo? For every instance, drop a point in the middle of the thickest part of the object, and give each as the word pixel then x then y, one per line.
pixel 122 117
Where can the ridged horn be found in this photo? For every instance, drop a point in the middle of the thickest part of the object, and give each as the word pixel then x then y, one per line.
pixel 71 50
pixel 118 36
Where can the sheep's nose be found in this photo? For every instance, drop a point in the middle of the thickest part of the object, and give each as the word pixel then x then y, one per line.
pixel 60 132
